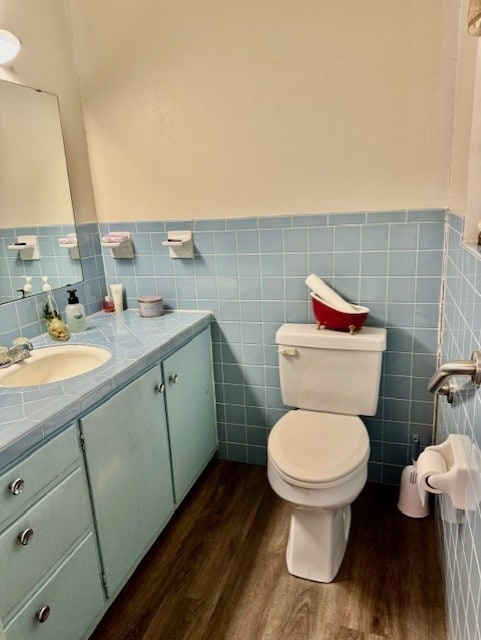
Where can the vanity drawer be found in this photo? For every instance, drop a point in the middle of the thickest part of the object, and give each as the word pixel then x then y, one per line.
pixel 73 595
pixel 57 521
pixel 33 474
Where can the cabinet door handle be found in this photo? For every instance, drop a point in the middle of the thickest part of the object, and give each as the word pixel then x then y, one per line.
pixel 160 387
pixel 16 487
pixel 43 614
pixel 25 536
pixel 173 377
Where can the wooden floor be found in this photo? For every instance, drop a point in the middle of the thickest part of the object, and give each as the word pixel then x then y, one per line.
pixel 218 572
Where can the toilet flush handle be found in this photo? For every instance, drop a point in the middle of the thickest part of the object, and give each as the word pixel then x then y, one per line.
pixel 287 351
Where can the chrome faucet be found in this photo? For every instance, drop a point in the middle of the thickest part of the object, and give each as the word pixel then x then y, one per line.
pixel 19 351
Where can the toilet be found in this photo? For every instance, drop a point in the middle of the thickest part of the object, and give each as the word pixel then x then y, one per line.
pixel 317 453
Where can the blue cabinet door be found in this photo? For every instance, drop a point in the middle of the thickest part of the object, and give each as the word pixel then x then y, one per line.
pixel 127 454
pixel 190 408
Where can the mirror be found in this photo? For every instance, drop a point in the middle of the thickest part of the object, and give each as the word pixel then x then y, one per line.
pixel 37 226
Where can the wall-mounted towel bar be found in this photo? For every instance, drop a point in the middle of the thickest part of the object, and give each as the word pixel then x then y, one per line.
pixel 440 383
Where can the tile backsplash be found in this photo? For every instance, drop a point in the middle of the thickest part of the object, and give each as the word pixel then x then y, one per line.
pixel 250 272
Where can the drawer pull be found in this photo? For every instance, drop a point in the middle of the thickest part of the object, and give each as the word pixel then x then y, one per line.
pixel 160 387
pixel 16 487
pixel 25 536
pixel 173 378
pixel 43 614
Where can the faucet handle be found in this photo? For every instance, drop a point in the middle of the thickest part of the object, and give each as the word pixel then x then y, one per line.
pixel 5 360
pixel 21 341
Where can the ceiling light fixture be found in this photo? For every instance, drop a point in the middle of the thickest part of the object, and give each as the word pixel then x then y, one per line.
pixel 10 45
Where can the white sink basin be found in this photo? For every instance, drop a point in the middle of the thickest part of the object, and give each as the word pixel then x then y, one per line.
pixel 52 364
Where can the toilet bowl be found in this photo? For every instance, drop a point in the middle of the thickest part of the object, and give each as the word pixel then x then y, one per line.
pixel 317 462
pixel 317 454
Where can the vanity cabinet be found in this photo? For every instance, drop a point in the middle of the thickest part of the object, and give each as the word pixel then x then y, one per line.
pixel 144 449
pixel 45 526
pixel 78 514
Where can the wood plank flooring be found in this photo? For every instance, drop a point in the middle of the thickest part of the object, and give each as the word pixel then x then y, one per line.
pixel 218 572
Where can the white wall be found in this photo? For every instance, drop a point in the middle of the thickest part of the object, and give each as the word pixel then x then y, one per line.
pixel 223 108
pixel 46 62
pixel 466 162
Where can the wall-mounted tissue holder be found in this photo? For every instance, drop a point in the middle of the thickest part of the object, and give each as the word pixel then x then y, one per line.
pixel 441 382
pixel 120 242
pixel 445 468
pixel 27 247
pixel 180 243
pixel 70 242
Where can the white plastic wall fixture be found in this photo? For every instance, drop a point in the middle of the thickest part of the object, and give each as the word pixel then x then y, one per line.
pixel 461 459
pixel 180 243
pixel 27 247
pixel 120 242
pixel 70 242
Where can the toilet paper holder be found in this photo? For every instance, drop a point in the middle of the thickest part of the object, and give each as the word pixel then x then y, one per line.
pixel 444 468
pixel 441 382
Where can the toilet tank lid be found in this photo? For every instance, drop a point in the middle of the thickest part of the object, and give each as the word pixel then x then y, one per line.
pixel 307 335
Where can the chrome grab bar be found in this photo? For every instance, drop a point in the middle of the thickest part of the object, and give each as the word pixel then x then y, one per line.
pixel 472 368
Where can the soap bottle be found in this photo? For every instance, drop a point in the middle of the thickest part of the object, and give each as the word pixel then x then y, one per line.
pixel 108 304
pixel 75 313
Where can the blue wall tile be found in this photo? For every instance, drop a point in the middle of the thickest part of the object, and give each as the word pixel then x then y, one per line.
pixel 337 219
pixel 241 223
pixel 295 240
pixel 386 216
pixel 375 237
pixel 403 263
pixel 275 222
pixel 404 237
pixel 309 221
pixel 426 215
pixel 347 238
pixel 271 241
pixel 320 239
pixel 431 235
pixel 374 263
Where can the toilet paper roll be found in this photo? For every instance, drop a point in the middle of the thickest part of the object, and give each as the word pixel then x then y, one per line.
pixel 429 463
pixel 327 294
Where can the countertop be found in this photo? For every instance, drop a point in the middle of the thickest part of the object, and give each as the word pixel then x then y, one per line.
pixel 30 415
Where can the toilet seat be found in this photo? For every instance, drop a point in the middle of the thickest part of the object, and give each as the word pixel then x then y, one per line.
pixel 318 450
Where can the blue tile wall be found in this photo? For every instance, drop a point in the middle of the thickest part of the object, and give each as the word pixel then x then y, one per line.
pixel 461 531
pixel 250 272
pixel 24 317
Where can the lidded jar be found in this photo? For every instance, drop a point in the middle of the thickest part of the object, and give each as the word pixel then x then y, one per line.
pixel 151 306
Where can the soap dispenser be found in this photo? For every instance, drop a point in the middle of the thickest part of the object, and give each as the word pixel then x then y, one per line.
pixel 75 313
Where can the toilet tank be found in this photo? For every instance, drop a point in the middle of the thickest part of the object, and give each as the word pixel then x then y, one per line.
pixel 331 371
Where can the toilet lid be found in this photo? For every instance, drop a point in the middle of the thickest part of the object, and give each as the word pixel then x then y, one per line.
pixel 314 447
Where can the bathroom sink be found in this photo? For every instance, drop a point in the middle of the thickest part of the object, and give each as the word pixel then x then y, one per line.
pixel 52 364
